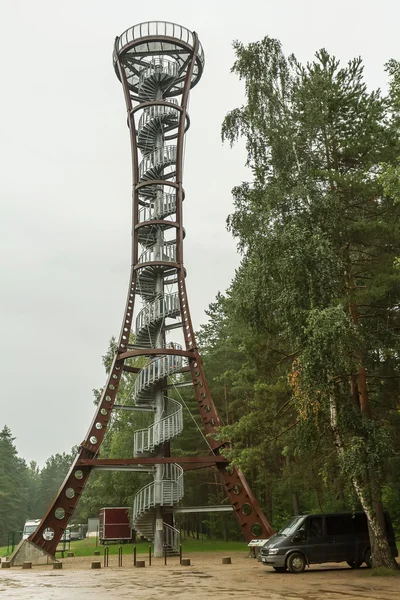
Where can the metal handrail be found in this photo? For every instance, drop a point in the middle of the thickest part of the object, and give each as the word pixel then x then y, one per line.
pixel 159 252
pixel 158 65
pixel 161 158
pixel 156 111
pixel 160 431
pixel 163 206
pixel 157 28
pixel 158 369
pixel 170 488
pixel 161 308
pixel 172 537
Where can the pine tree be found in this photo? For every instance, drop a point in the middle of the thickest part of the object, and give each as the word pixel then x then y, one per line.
pixel 320 238
pixel 13 486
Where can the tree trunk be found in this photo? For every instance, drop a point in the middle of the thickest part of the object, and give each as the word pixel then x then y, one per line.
pixel 296 505
pixel 380 549
pixel 370 497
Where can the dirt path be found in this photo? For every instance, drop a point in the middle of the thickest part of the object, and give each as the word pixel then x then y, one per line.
pixel 244 579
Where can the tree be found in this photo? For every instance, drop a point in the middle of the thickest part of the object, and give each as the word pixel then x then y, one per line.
pixel 50 479
pixel 319 237
pixel 13 486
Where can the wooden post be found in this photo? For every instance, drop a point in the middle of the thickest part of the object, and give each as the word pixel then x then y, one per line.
pixel 120 556
pixel 149 556
pixel 180 554
pixel 134 556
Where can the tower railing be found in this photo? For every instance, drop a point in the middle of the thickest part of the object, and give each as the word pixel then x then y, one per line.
pixel 156 28
pixel 145 440
pixel 155 371
pixel 160 208
pixel 164 252
pixel 161 308
pixel 158 159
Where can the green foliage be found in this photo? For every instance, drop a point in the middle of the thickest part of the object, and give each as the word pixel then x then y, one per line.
pixel 319 231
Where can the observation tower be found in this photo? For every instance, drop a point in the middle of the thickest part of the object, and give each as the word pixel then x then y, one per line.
pixel 157 63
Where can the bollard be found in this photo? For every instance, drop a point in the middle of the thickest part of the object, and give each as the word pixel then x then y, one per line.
pixel 106 552
pixel 120 556
pixel 134 556
pixel 149 556
pixel 57 565
pixel 227 560
pixel 140 563
pixel 27 564
pixel 5 564
pixel 165 554
pixel 96 564
pixel 70 555
pixel 180 554
pixel 96 553
pixel 185 562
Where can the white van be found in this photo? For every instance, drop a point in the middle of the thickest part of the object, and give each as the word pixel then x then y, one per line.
pixel 30 527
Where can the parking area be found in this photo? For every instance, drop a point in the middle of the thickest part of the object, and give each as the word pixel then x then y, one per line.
pixel 244 579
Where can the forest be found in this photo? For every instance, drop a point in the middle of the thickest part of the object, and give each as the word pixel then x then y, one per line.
pixel 302 351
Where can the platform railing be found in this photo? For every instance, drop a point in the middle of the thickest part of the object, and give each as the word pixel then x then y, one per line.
pixel 157 28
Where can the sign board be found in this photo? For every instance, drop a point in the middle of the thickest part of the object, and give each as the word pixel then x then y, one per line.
pixel 159 525
pixel 257 543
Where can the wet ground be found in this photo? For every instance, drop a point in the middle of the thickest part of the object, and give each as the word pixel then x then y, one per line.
pixel 244 579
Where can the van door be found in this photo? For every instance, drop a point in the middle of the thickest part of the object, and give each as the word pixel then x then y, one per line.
pixel 317 547
pixel 341 538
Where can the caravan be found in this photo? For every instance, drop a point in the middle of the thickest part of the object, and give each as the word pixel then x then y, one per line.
pixel 30 527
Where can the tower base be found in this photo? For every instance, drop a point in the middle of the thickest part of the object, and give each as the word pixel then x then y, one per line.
pixel 27 551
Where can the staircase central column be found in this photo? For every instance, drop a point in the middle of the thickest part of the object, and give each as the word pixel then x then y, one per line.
pixel 159 398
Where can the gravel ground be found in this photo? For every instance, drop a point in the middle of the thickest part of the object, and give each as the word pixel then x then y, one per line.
pixel 244 579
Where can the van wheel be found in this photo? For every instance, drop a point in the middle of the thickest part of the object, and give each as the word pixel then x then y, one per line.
pixel 296 562
pixel 280 569
pixel 354 564
pixel 368 558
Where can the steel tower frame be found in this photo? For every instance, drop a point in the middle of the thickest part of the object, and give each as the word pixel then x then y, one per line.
pixel 157 63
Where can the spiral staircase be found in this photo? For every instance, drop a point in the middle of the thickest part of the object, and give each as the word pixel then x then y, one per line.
pixel 156 268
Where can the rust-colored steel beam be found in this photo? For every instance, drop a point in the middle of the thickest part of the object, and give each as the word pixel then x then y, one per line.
pixel 152 460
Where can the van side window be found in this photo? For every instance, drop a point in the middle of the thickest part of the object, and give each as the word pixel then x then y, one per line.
pixel 315 529
pixel 339 525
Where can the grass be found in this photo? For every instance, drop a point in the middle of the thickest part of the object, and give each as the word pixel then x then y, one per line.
pixel 87 547
pixel 382 572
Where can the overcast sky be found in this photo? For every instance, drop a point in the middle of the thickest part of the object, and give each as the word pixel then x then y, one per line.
pixel 66 183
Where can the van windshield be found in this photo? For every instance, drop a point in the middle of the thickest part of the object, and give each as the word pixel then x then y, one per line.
pixel 291 527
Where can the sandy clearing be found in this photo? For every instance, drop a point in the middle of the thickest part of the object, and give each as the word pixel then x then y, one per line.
pixel 206 577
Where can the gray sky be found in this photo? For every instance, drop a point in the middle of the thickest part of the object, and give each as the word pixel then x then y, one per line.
pixel 66 181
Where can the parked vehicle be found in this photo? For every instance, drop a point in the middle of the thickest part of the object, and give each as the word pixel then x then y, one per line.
pixel 30 527
pixel 311 539
pixel 77 532
pixel 114 525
